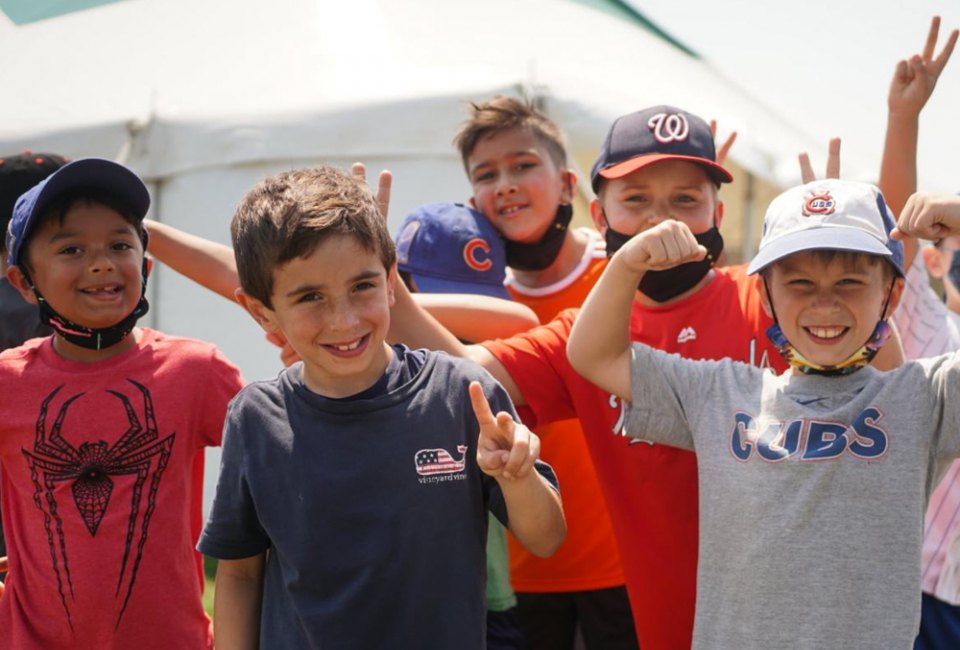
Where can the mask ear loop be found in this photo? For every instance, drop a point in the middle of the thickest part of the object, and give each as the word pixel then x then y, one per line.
pixel 773 312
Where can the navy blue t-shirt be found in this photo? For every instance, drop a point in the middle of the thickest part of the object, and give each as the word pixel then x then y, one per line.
pixel 372 508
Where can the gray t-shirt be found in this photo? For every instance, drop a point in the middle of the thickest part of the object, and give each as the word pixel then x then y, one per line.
pixel 812 493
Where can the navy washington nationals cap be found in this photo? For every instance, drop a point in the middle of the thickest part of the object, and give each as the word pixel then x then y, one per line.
pixel 658 133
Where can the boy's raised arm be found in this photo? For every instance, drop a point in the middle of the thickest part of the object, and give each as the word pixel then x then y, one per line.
pixel 208 263
pixel 236 605
pixel 913 82
pixel 599 346
pixel 507 450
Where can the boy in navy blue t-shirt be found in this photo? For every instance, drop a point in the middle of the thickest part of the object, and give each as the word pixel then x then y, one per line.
pixel 351 505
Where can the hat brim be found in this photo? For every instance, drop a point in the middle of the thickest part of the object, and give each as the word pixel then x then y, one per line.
pixel 428 284
pixel 717 172
pixel 835 238
pixel 95 174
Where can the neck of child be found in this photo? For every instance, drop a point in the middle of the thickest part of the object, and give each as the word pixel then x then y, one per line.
pixel 73 352
pixel 645 300
pixel 571 252
pixel 334 386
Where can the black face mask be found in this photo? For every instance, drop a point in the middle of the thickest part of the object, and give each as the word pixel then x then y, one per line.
pixel 88 337
pixel 540 255
pixel 661 286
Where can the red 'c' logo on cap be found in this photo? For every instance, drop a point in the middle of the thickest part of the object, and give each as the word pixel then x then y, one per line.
pixel 470 255
pixel 818 202
pixel 669 127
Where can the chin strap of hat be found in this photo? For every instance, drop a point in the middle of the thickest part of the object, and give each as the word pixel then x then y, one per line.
pixel 89 337
pixel 851 364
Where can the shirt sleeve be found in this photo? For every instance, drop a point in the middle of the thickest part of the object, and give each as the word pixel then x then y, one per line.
pixel 537 362
pixel 233 530
pixel 221 384
pixel 944 373
pixel 663 387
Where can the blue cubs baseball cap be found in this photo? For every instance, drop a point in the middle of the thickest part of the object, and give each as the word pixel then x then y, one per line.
pixel 657 133
pixel 451 248
pixel 828 214
pixel 94 174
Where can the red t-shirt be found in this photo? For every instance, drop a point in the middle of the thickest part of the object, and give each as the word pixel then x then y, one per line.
pixel 588 558
pixel 650 490
pixel 101 493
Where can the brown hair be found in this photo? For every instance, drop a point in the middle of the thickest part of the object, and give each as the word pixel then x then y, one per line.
pixel 849 259
pixel 502 113
pixel 286 216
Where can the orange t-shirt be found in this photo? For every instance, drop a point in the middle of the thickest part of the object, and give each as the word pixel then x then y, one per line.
pixel 588 559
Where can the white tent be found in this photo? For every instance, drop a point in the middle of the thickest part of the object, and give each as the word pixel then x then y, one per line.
pixel 205 97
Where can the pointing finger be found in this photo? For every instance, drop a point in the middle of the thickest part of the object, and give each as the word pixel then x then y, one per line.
pixel 481 407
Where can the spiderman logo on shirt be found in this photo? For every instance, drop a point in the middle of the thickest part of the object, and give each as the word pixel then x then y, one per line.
pixel 90 470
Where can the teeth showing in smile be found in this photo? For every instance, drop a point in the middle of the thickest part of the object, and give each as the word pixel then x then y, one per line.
pixel 349 346
pixel 826 332
pixel 102 290
pixel 511 209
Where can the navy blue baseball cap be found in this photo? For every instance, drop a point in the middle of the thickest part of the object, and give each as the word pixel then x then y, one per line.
pixel 451 248
pixel 658 133
pixel 85 174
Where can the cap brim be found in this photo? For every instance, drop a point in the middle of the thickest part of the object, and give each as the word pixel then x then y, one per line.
pixel 428 284
pixel 836 238
pixel 96 174
pixel 717 172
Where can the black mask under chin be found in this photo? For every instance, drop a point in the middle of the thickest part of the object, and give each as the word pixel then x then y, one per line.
pixel 540 255
pixel 661 286
pixel 89 337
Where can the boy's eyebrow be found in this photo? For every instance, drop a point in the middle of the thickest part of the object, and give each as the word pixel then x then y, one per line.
pixel 369 274
pixel 70 234
pixel 509 154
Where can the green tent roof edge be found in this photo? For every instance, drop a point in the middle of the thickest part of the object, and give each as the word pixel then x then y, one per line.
pixel 625 10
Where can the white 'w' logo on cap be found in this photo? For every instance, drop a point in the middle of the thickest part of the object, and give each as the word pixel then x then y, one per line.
pixel 669 127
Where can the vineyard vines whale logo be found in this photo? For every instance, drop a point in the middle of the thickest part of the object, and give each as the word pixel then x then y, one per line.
pixel 669 127
pixel 430 462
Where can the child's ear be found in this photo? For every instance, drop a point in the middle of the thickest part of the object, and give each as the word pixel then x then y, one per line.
pixel 393 276
pixel 596 214
pixel 935 261
pixel 569 186
pixel 896 293
pixel 261 313
pixel 18 281
pixel 718 214
pixel 473 204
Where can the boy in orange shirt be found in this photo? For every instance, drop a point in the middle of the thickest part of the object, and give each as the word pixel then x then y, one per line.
pixel 516 162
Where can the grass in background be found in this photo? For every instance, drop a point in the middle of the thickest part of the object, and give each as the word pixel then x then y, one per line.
pixel 210 571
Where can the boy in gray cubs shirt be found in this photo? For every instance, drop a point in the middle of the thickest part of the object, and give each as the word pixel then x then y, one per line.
pixel 812 483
